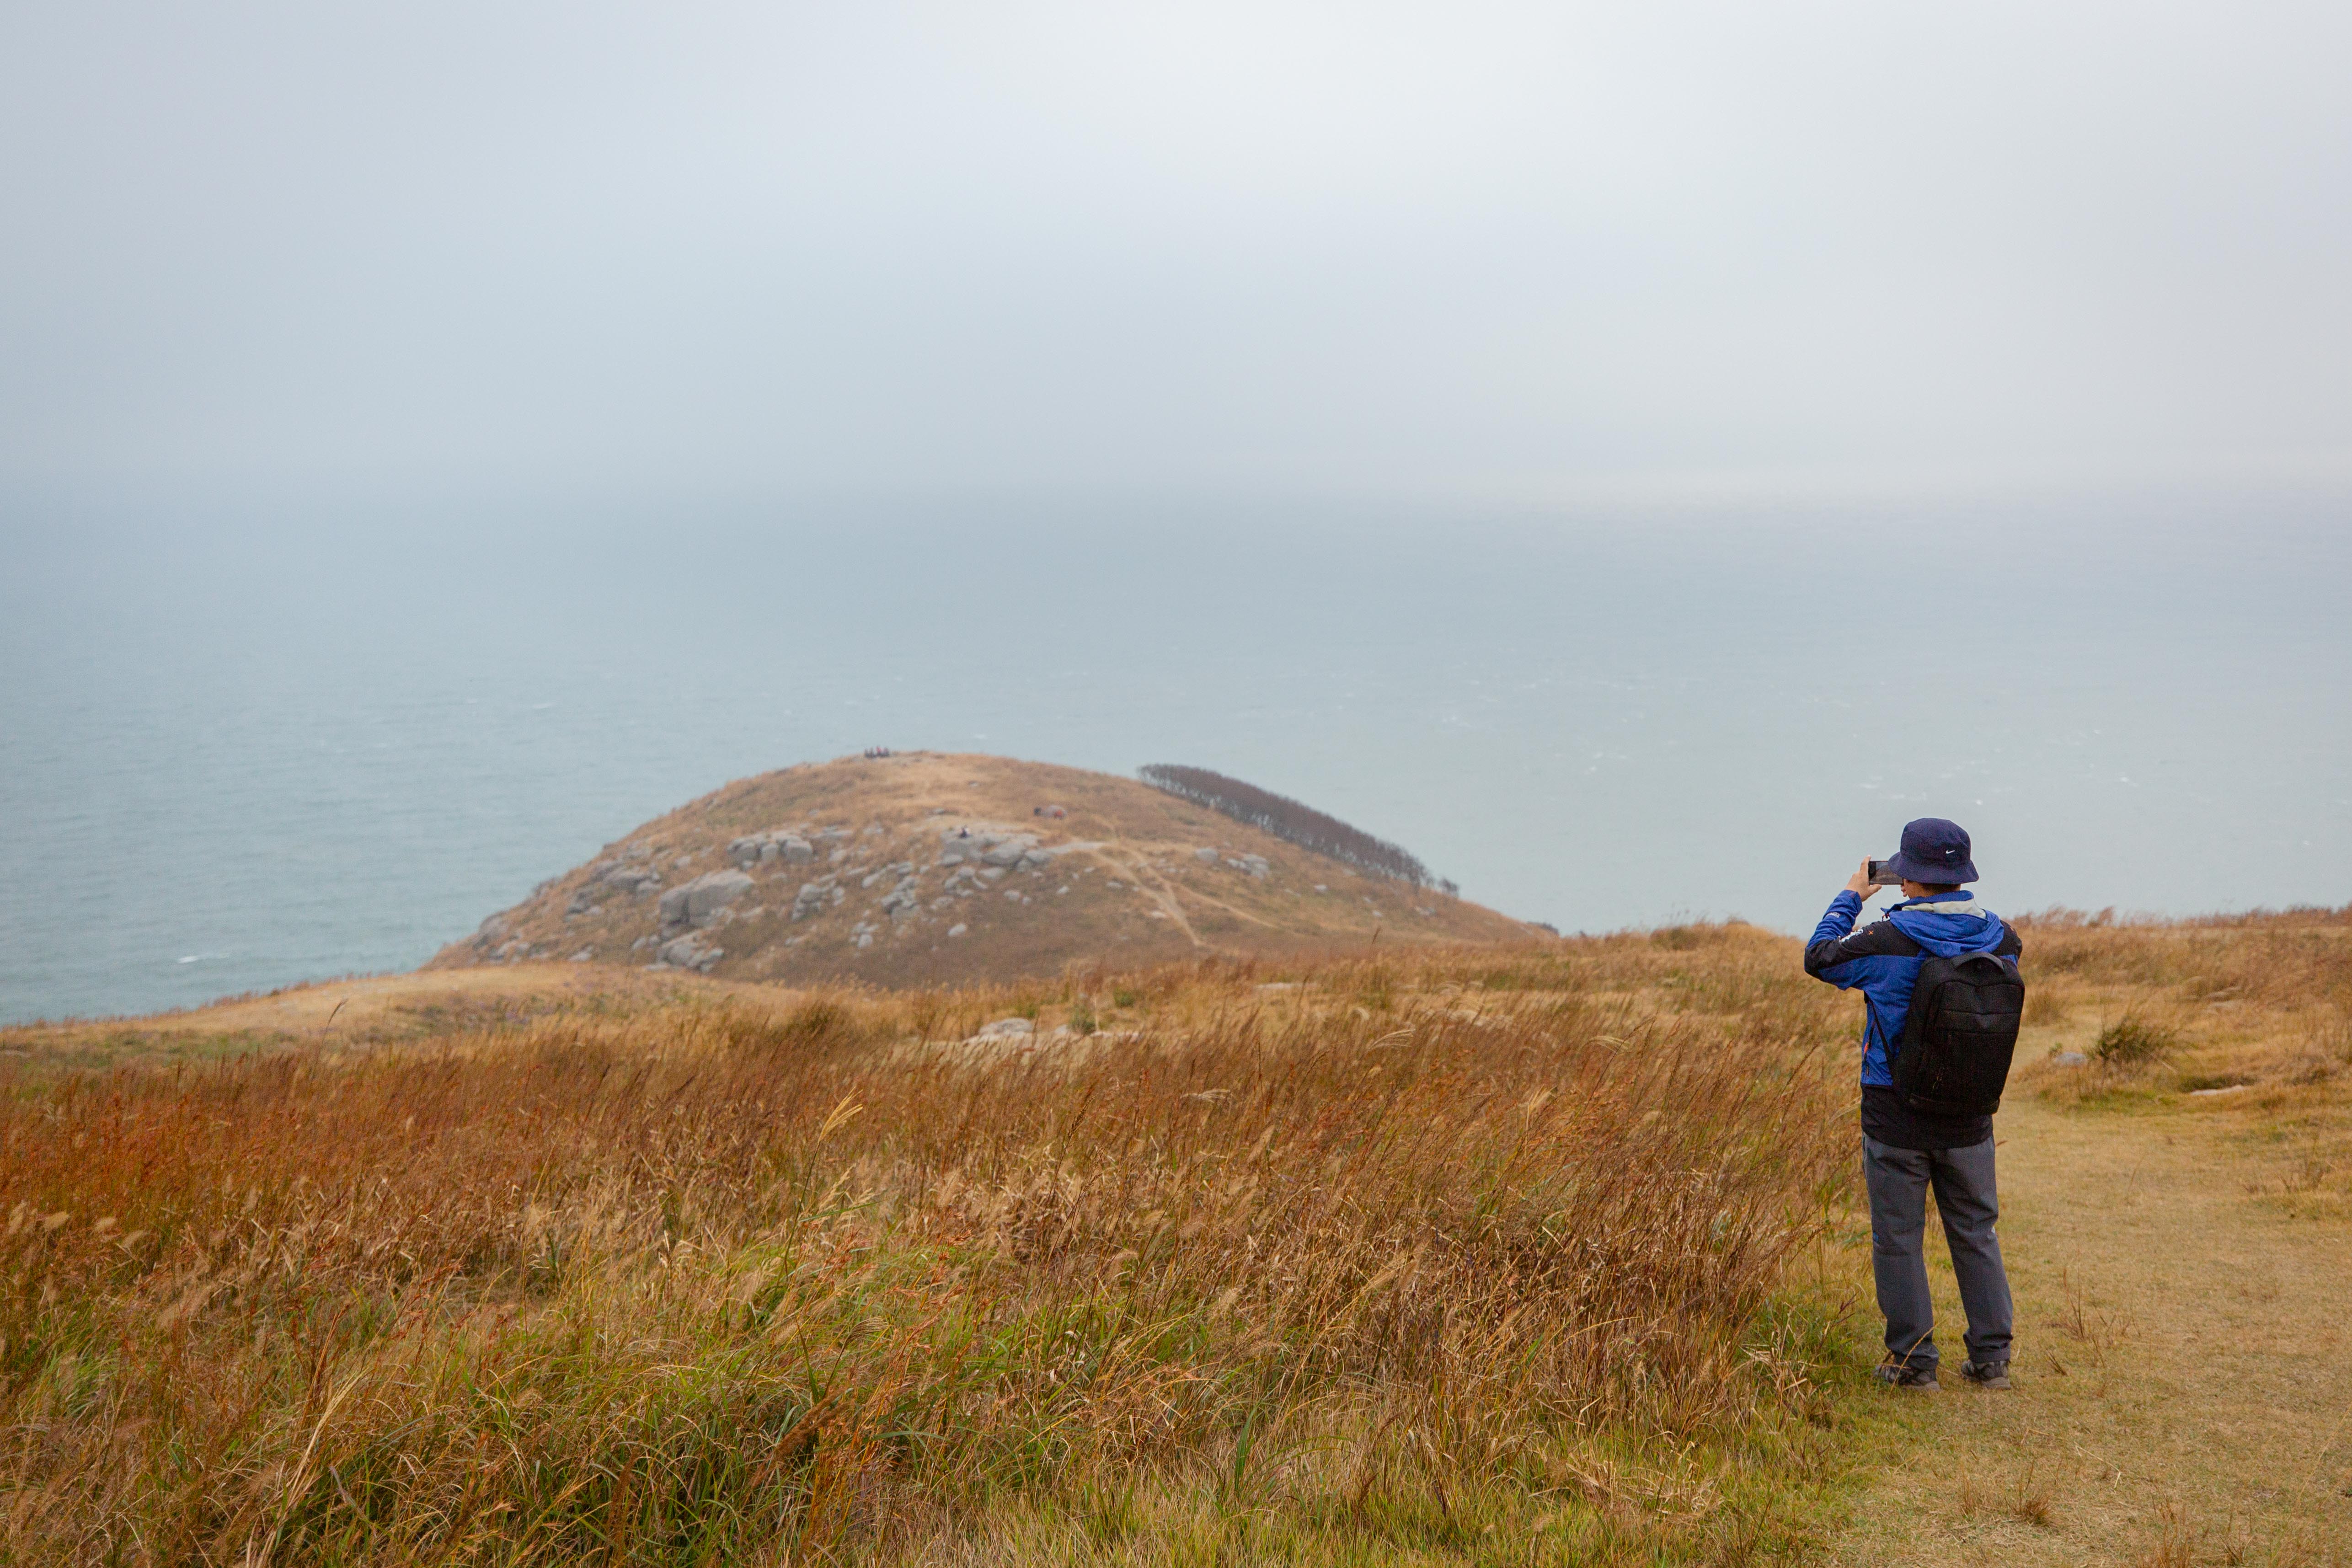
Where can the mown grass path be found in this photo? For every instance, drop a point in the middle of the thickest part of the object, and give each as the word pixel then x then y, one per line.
pixel 2184 1370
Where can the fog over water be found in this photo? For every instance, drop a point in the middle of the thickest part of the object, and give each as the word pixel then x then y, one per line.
pixel 1633 457
pixel 330 750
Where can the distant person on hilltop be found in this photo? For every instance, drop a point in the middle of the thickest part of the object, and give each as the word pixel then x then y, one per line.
pixel 1939 976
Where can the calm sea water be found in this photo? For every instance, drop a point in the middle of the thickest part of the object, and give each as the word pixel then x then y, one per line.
pixel 244 748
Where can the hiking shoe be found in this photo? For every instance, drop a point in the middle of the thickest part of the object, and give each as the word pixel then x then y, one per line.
pixel 1921 1377
pixel 1986 1373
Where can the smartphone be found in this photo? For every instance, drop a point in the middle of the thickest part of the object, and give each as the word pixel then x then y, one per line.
pixel 1881 877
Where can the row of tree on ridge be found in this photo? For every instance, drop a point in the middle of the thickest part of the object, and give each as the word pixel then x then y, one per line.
pixel 1295 822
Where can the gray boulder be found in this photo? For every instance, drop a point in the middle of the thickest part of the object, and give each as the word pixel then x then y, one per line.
pixel 687 951
pixel 814 896
pixel 777 843
pixel 1011 852
pixel 698 902
pixel 631 879
pixel 903 899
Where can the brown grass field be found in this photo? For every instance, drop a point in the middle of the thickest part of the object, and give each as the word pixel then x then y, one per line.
pixel 1537 1254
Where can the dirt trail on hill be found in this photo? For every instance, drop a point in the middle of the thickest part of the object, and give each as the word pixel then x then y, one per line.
pixel 2184 1369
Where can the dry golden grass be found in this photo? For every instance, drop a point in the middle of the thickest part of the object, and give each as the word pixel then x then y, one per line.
pixel 353 1012
pixel 1411 1260
pixel 2244 1022
pixel 1532 1254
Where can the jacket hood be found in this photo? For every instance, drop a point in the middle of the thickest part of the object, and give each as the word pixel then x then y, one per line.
pixel 1949 926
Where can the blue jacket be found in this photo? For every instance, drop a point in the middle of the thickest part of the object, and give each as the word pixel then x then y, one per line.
pixel 1883 959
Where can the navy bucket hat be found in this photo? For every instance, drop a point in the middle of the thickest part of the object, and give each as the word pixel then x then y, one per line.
pixel 1934 851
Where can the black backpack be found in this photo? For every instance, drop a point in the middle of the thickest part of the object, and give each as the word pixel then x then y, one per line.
pixel 1953 1057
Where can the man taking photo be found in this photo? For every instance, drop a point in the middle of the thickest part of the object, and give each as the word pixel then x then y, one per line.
pixel 1912 1141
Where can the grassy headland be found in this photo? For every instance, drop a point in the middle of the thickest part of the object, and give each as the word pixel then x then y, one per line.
pixel 933 868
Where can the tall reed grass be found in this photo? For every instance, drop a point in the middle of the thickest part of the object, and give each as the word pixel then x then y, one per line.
pixel 1491 1259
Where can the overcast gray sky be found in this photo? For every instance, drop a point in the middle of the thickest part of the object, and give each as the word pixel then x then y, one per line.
pixel 1441 249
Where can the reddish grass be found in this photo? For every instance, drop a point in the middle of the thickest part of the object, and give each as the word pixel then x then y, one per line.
pixel 1391 1263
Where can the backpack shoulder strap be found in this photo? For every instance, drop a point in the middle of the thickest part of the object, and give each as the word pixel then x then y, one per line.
pixel 1880 939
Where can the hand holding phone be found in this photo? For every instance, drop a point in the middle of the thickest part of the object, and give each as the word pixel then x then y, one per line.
pixel 1869 877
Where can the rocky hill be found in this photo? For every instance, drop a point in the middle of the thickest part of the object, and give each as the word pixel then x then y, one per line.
pixel 928 867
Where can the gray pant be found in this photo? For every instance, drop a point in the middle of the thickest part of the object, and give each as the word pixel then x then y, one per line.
pixel 1898 1180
